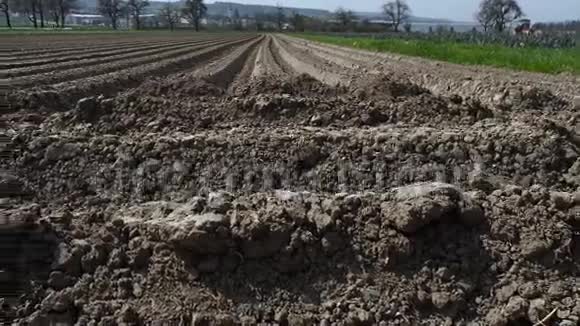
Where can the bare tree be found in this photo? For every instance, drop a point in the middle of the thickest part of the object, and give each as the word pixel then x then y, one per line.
pixel 194 11
pixel 64 8
pixel 170 15
pixel 398 11
pixel 59 9
pixel 31 10
pixel 53 11
pixel 28 8
pixel 280 17
pixel 136 7
pixel 237 20
pixel 497 14
pixel 260 18
pixel 5 8
pixel 112 9
pixel 483 16
pixel 297 21
pixel 42 6
pixel 125 12
pixel 344 17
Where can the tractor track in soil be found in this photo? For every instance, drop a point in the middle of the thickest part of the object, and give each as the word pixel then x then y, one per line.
pixel 274 180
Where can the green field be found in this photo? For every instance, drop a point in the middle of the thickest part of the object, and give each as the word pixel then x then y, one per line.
pixel 552 61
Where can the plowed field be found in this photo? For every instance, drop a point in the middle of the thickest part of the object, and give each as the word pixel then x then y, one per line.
pixel 240 179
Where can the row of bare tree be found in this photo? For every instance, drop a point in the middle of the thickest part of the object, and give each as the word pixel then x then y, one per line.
pixel 115 9
pixel 396 11
pixel 192 10
pixel 494 15
pixel 39 12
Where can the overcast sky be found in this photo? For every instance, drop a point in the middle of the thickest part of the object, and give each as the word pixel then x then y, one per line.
pixel 462 10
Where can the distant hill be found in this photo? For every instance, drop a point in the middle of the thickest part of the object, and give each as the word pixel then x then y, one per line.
pixel 227 9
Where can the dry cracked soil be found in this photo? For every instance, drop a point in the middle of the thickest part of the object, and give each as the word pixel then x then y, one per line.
pixel 268 180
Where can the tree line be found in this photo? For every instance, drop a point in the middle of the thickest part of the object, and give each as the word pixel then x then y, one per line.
pixel 397 13
pixel 493 15
pixel 569 26
pixel 38 12
pixel 496 15
pixel 171 13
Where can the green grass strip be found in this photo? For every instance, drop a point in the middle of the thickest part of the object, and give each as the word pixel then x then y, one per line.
pixel 553 61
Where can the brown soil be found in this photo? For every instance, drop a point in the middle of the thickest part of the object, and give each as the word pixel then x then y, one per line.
pixel 92 59
pixel 73 73
pixel 269 180
pixel 23 61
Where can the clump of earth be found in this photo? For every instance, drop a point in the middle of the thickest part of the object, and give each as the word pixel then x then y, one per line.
pixel 257 190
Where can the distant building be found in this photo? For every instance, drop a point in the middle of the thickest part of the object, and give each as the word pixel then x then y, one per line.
pixel 85 19
pixel 225 21
pixel 147 20
pixel 380 22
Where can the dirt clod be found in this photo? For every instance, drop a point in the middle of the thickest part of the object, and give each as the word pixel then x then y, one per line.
pixel 576 103
pixel 258 180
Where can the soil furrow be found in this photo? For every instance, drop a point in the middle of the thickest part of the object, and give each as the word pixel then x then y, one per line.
pixel 66 93
pixel 484 83
pixel 265 63
pixel 78 73
pixel 261 180
pixel 19 44
pixel 302 67
pixel 224 70
pixel 58 51
pixel 347 60
pixel 244 68
pixel 306 54
pixel 97 59
pixel 259 67
pixel 88 54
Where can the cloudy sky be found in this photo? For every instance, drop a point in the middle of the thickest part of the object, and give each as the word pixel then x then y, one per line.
pixel 462 10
